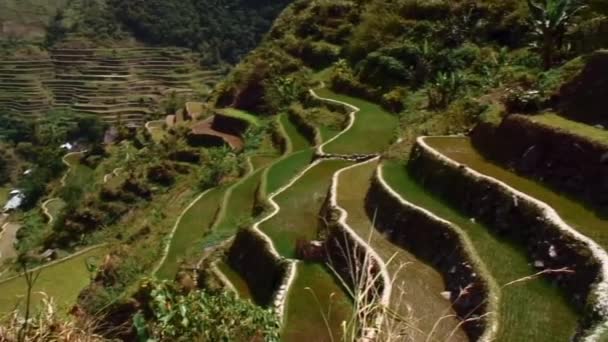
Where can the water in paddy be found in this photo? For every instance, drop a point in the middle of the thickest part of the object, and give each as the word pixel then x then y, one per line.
pixel 298 218
pixel 576 214
pixel 300 205
pixel 418 286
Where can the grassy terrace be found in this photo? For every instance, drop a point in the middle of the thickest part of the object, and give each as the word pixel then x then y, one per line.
pixel 281 172
pixel 237 209
pixel 190 230
pixel 574 213
pixel 372 132
pixel 237 281
pixel 240 114
pixel 62 281
pixel 533 310
pixel 417 285
pixel 560 123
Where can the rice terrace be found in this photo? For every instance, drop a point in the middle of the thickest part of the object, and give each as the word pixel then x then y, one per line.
pixel 304 170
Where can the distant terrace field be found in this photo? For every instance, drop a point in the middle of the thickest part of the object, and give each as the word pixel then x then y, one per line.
pixel 120 84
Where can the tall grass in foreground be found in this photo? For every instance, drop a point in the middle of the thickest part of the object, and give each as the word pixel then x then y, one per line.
pixel 373 320
pixel 48 325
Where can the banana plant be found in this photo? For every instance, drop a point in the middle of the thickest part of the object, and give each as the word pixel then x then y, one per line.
pixel 550 19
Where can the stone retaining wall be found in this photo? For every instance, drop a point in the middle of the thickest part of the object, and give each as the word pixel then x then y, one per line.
pixel 567 161
pixel 252 258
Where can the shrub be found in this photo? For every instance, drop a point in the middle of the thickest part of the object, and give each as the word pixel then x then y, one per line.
pixel 393 100
pixel 171 315
pixel 162 174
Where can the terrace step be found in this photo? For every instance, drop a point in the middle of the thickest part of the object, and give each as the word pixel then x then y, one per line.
pixel 573 236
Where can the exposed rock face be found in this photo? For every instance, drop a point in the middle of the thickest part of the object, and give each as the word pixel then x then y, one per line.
pixel 585 97
pixel 517 219
pixel 436 243
pixel 566 161
pixel 252 259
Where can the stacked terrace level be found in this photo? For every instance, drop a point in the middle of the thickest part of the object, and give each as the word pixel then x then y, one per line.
pixel 125 84
pixel 21 86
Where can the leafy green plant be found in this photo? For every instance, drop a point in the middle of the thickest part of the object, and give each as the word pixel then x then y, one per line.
pixel 171 315
pixel 444 89
pixel 550 19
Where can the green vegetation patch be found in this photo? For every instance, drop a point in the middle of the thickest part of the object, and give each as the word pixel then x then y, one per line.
pixel 80 176
pixel 241 114
pixel 533 310
pixel 190 231
pixel 61 281
pixel 560 123
pixel 372 132
pixel 282 171
pixel 237 210
pixel 54 206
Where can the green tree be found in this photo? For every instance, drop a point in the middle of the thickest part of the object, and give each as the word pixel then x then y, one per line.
pixel 550 19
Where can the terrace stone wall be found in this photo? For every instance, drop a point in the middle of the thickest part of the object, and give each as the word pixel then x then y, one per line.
pixel 263 271
pixel 566 161
pixel 437 243
pixel 516 217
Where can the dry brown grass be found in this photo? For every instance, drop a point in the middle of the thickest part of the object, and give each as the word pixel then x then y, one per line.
pixel 48 325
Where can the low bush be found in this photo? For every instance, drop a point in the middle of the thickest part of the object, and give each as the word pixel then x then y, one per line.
pixel 172 314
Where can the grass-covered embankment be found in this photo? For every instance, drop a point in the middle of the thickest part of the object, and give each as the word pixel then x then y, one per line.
pixel 62 280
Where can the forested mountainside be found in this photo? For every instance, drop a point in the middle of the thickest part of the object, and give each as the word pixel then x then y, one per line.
pixel 369 170
pixel 221 30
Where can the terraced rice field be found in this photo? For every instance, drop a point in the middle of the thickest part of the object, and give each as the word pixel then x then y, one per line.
pixel 574 213
pixel 62 280
pixel 190 230
pixel 372 131
pixel 418 286
pixel 533 310
pixel 120 84
pixel 236 210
